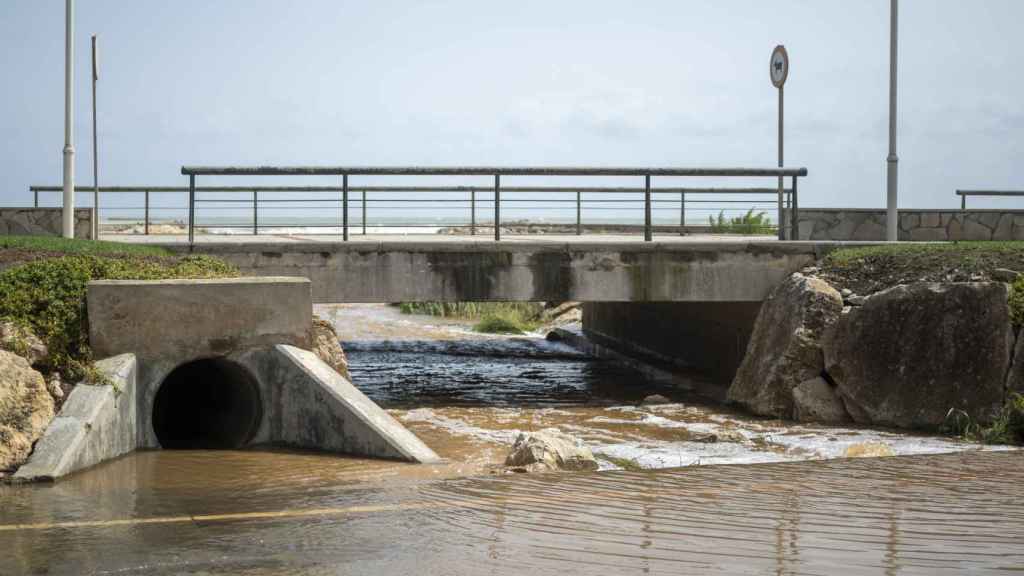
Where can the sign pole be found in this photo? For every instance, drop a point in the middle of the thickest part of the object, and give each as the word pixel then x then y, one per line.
pixel 779 72
pixel 95 157
pixel 68 213
pixel 891 213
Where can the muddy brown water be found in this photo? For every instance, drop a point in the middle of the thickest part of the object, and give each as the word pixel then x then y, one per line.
pixel 784 508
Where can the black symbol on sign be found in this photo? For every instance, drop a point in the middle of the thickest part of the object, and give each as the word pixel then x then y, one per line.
pixel 778 66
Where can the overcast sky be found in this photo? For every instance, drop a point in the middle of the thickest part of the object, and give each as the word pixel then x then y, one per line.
pixel 673 83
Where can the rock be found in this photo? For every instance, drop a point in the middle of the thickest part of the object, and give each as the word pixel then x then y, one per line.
pixel 912 353
pixel 22 341
pixel 715 437
pixel 846 293
pixel 815 400
pixel 327 346
pixel 868 450
pixel 1015 379
pixel 550 449
pixel 654 400
pixel 53 387
pixel 784 348
pixel 856 300
pixel 1005 275
pixel 26 408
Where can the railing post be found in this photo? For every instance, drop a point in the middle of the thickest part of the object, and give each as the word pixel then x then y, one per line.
pixel 782 210
pixel 35 194
pixel 647 209
pixel 682 213
pixel 579 214
pixel 344 207
pixel 794 214
pixel 145 216
pixel 472 211
pixel 963 202
pixel 364 211
pixel 191 208
pixel 497 207
pixel 255 214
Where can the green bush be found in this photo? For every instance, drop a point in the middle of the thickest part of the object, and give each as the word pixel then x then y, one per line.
pixel 1006 428
pixel 503 324
pixel 749 223
pixel 48 296
pixel 1017 302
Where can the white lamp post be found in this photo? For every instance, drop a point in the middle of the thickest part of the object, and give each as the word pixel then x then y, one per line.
pixel 68 227
pixel 891 214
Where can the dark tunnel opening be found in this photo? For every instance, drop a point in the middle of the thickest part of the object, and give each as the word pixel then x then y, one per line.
pixel 207 404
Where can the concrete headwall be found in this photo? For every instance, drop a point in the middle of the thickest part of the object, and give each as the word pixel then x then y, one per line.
pixel 710 337
pixel 43 222
pixel 915 225
pixel 590 271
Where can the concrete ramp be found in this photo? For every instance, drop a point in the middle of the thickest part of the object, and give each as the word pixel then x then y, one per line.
pixel 318 408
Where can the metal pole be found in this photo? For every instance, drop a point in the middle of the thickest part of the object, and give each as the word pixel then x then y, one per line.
pixel 35 198
pixel 891 214
pixel 579 214
pixel 682 213
pixel 963 202
pixel 782 214
pixel 68 213
pixel 472 212
pixel 364 212
pixel 794 215
pixel 497 207
pixel 255 214
pixel 647 208
pixel 344 207
pixel 145 218
pixel 95 157
pixel 191 208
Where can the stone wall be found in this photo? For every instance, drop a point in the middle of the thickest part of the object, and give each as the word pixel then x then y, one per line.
pixel 915 225
pixel 43 222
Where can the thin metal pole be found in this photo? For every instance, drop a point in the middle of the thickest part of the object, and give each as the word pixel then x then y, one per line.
pixel 647 208
pixel 35 196
pixel 782 213
pixel 682 213
pixel 364 212
pixel 892 214
pixel 344 207
pixel 794 215
pixel 255 214
pixel 579 214
pixel 472 212
pixel 191 208
pixel 497 207
pixel 145 217
pixel 95 157
pixel 963 202
pixel 68 213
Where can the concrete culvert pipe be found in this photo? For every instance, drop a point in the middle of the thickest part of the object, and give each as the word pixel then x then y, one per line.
pixel 209 403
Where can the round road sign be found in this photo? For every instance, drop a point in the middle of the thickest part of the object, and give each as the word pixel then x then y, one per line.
pixel 779 66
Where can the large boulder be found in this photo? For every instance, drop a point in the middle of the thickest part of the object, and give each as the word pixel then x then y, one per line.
pixel 816 400
pixel 785 348
pixel 548 450
pixel 26 408
pixel 912 353
pixel 21 341
pixel 327 346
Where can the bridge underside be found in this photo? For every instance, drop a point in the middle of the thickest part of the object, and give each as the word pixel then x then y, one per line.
pixel 407 271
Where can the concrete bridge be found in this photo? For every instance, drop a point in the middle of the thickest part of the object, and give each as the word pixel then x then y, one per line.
pixel 543 269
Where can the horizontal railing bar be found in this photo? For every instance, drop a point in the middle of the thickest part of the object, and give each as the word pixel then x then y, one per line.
pixel 482 171
pixel 567 189
pixel 990 192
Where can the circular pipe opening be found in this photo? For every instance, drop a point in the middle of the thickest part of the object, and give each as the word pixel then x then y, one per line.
pixel 209 403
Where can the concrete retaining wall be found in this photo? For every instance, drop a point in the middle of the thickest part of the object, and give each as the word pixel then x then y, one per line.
pixel 525 271
pixel 96 423
pixel 43 222
pixel 915 225
pixel 710 337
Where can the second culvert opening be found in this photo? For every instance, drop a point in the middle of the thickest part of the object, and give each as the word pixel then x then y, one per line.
pixel 210 403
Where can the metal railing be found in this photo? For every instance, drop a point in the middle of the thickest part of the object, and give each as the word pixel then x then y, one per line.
pixel 497 172
pixel 963 194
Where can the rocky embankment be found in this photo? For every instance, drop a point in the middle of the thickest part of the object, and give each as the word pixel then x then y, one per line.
pixel 908 356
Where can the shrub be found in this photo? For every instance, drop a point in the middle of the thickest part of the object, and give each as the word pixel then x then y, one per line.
pixel 502 324
pixel 749 223
pixel 1006 428
pixel 1017 302
pixel 49 297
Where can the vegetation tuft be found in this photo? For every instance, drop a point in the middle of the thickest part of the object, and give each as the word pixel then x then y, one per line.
pixel 1006 428
pixel 493 317
pixel 47 295
pixel 749 223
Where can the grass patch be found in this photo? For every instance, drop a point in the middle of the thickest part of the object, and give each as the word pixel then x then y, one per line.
pixel 749 223
pixel 492 317
pixel 624 463
pixel 47 292
pixel 1006 428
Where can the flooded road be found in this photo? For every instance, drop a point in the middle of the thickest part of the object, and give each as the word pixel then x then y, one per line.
pixel 789 510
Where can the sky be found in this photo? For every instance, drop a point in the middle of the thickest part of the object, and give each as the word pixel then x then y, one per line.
pixel 589 83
